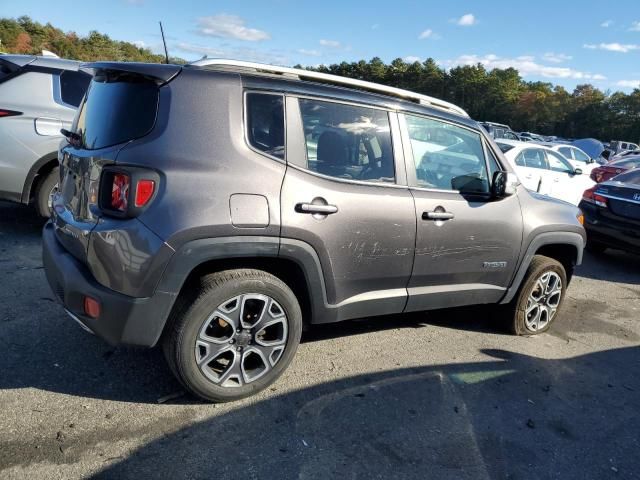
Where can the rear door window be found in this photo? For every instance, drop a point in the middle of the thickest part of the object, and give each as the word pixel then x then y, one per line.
pixel 348 141
pixel 73 86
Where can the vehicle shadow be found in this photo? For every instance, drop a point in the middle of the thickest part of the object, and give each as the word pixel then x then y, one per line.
pixel 513 416
pixel 43 349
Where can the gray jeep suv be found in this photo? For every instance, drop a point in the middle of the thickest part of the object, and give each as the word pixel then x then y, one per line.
pixel 38 97
pixel 224 205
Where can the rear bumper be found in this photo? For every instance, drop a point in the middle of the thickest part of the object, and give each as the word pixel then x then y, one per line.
pixel 615 234
pixel 123 319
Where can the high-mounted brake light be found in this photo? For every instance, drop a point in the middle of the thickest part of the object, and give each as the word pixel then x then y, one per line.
pixel 144 192
pixel 591 196
pixel 8 113
pixel 120 192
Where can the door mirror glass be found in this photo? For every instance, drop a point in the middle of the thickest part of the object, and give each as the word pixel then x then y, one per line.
pixel 577 171
pixel 499 184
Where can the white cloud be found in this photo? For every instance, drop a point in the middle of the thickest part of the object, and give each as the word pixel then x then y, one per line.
pixel 229 26
pixel 310 53
pixel 526 66
pixel 428 33
pixel 635 26
pixel 612 47
pixel 556 57
pixel 606 23
pixel 239 53
pixel 139 43
pixel 330 43
pixel 466 20
pixel 412 59
pixel 628 83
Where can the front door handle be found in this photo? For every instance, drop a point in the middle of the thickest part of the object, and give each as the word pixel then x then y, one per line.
pixel 316 209
pixel 437 215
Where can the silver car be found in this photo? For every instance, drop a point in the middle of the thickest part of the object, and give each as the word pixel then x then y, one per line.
pixel 38 97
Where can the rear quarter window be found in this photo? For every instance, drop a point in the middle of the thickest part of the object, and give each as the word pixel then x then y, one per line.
pixel 73 86
pixel 265 123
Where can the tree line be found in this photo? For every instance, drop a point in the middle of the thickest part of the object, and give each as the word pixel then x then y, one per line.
pixel 498 95
pixel 25 36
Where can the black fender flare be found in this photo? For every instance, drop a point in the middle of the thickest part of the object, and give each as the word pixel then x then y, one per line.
pixel 548 238
pixel 33 171
pixel 196 252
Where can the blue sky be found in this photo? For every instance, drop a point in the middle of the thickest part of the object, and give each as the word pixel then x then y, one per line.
pixel 565 43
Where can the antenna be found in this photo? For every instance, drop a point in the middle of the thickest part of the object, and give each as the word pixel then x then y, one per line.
pixel 164 42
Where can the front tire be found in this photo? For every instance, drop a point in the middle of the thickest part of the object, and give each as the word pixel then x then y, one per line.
pixel 540 297
pixel 47 187
pixel 234 335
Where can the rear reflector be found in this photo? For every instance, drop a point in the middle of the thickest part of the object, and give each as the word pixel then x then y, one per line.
pixel 120 192
pixel 144 192
pixel 91 307
pixel 8 113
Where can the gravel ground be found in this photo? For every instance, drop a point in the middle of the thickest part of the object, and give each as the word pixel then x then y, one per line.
pixel 434 395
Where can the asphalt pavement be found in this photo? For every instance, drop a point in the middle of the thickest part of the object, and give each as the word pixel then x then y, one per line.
pixel 439 395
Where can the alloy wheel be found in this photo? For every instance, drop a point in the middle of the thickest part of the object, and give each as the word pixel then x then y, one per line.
pixel 543 301
pixel 242 340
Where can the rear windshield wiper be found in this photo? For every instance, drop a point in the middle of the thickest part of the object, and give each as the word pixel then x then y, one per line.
pixel 73 137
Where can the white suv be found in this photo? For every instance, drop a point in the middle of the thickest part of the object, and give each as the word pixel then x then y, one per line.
pixel 38 97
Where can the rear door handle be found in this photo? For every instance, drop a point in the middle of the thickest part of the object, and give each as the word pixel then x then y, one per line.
pixel 437 215
pixel 316 209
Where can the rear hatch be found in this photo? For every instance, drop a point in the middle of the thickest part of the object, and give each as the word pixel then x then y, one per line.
pixel 120 106
pixel 623 201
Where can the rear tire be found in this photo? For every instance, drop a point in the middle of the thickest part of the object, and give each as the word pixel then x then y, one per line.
pixel 233 334
pixel 539 299
pixel 44 193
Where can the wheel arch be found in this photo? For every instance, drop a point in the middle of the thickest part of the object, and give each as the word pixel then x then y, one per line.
pixel 565 247
pixel 41 167
pixel 292 261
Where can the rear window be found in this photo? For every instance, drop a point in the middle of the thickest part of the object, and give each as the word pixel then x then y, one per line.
pixel 6 68
pixel 118 108
pixel 632 177
pixel 73 86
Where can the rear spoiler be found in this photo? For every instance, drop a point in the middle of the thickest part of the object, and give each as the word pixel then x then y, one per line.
pixel 161 73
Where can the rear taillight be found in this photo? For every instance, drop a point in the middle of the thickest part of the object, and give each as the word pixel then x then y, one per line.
pixel 591 196
pixel 126 191
pixel 9 113
pixel 120 192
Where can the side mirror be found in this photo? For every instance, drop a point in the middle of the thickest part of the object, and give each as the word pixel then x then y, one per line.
pixel 577 171
pixel 499 184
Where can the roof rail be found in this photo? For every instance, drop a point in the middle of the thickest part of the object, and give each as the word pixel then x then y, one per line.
pixel 334 79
